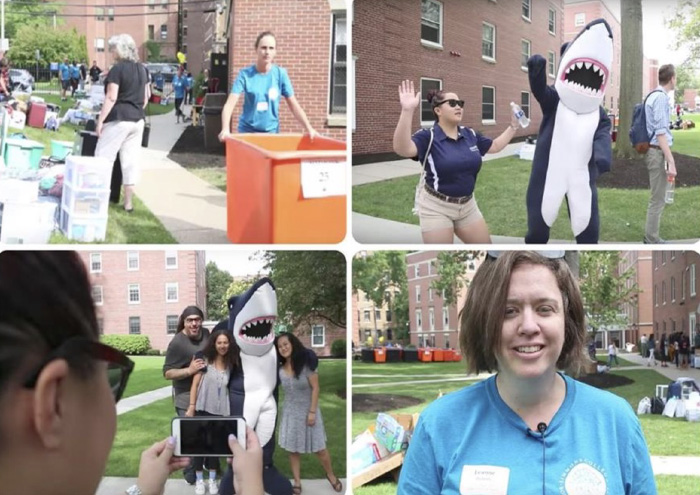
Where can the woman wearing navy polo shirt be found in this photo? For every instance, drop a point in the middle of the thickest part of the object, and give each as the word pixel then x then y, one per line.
pixel 262 84
pixel 446 205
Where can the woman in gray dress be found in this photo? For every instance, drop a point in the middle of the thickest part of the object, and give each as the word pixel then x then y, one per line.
pixel 301 429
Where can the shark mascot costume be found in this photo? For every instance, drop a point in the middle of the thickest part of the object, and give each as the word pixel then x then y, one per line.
pixel 574 145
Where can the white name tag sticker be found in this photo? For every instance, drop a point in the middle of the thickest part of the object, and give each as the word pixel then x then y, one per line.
pixel 484 480
pixel 323 179
pixel 262 106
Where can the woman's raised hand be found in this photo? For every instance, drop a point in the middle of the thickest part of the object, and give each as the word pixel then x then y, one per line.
pixel 407 96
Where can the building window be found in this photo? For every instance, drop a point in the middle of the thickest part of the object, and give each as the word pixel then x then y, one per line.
pixel 692 322
pixel 151 4
pixel 184 14
pixel 580 20
pixel 488 41
pixel 431 22
pixel 132 261
pixel 431 316
pixel 683 285
pixel 377 314
pixel 184 30
pixel 430 294
pixel 164 31
pixel 673 255
pixel 656 295
pixel 95 262
pixel 134 294
pixel 692 280
pixel 164 4
pixel 488 103
pixel 663 257
pixel 171 292
pixel 388 315
pixel 525 103
pixel 97 295
pixel 339 65
pixel 171 324
pixel 100 45
pixel 184 48
pixel 663 292
pixel 318 336
pixel 417 293
pixel 552 21
pixel 110 14
pixel 526 9
pixel 101 326
pixel 525 53
pixel 673 289
pixel 134 325
pixel 367 315
pixel 551 63
pixel 426 110
pixel 151 32
pixel 445 318
pixel 419 320
pixel 100 13
pixel 170 260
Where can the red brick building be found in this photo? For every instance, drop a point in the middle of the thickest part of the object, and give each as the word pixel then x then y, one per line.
pixel 676 299
pixel 144 292
pixel 475 49
pixel 312 39
pixel 432 323
pixel 320 335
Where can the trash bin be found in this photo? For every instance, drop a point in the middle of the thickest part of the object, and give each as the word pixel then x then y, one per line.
pixel 425 355
pixel 285 188
pixel 379 355
pixel 393 355
pixel 438 355
pixel 449 355
pixel 410 355
pixel 367 355
pixel 213 104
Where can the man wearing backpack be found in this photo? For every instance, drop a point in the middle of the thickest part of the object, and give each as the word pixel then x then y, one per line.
pixel 659 155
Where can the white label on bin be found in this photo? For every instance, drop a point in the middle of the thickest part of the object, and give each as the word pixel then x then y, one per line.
pixel 322 179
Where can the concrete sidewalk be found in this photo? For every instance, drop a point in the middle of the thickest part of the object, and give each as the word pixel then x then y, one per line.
pixel 140 400
pixel 670 372
pixel 191 209
pixel 116 486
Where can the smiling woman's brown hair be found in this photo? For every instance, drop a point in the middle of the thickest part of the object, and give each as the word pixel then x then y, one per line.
pixel 481 318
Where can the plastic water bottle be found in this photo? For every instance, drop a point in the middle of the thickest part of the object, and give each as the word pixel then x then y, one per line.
pixel 670 188
pixel 520 115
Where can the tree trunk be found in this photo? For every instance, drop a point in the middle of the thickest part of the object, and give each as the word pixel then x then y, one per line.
pixel 631 75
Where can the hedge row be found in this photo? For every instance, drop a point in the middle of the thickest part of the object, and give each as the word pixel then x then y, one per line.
pixel 134 345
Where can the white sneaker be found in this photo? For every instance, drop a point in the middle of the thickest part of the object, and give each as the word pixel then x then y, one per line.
pixel 199 488
pixel 213 488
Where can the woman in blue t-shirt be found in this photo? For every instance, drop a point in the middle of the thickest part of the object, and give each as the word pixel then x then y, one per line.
pixel 179 88
pixel 444 197
pixel 262 85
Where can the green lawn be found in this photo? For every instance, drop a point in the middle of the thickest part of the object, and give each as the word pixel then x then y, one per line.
pixel 686 141
pixel 503 184
pixel 623 362
pixel 147 375
pixel 142 427
pixel 152 109
pixel 216 176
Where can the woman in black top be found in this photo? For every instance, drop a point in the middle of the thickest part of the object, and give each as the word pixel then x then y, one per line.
pixel 121 122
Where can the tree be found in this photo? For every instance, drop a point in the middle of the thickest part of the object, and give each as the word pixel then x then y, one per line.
pixel 686 78
pixel 310 285
pixel 686 24
pixel 452 271
pixel 52 45
pixel 218 283
pixel 153 49
pixel 631 76
pixel 604 289
pixel 27 13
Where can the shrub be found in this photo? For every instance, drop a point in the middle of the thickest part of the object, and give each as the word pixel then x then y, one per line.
pixel 339 348
pixel 153 352
pixel 134 345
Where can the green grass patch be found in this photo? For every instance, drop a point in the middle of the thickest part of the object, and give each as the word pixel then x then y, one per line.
pixel 139 429
pixel 686 141
pixel 216 176
pixel 147 375
pixel 501 190
pixel 623 362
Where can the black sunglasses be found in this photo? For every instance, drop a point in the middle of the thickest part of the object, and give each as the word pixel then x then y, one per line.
pixel 119 367
pixel 453 103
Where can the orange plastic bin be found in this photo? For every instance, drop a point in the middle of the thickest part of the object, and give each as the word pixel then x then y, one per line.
pixel 265 201
pixel 379 355
pixel 425 355
pixel 438 355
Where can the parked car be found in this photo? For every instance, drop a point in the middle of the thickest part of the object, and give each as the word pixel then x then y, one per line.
pixel 22 80
pixel 168 71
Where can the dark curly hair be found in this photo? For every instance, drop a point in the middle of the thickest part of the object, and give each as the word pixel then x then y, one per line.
pixel 435 96
pixel 299 355
pixel 232 358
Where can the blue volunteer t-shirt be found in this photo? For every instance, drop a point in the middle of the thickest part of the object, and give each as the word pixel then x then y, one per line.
pixel 594 445
pixel 261 98
pixel 74 72
pixel 179 85
pixel 65 71
pixel 452 165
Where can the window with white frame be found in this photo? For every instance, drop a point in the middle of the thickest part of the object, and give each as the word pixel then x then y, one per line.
pixel 431 316
pixel 97 295
pixel 551 64
pixel 552 27
pixel 339 65
pixel 388 315
pixel 524 53
pixel 527 5
pixel 525 103
pixel 692 280
pixel 164 4
pixel 170 260
pixel 488 103
pixel 692 322
pixel 580 20
pixel 377 314
pixel 417 293
pixel 132 261
pixel 171 324
pixel 426 110
pixel 445 318
pixel 663 257
pixel 683 277
pixel 663 292
pixel 99 45
pixel 673 289
pixel 110 14
pixel 488 41
pixel 134 325
pixel 419 320
pixel 101 326
pixel 367 315
pixel 151 4
pixel 171 292
pixel 430 294
pixel 431 22
pixel 134 294
pixel 95 262
pixel 100 13
pixel 656 295
pixel 318 336
pixel 164 31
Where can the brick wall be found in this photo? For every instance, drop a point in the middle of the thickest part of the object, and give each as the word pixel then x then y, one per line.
pixel 669 268
pixel 387 45
pixel 303 32
pixel 331 334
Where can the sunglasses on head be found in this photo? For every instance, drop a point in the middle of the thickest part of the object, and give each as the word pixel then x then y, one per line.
pixel 453 103
pixel 119 367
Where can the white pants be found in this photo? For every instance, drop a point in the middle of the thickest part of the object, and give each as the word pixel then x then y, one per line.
pixel 651 357
pixel 123 138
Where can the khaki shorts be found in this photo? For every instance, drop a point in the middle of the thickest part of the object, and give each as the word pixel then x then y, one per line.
pixel 123 138
pixel 435 213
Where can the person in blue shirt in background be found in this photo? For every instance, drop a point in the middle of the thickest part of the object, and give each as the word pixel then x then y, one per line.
pixel 529 429
pixel 179 88
pixel 262 84
pixel 74 77
pixel 188 92
pixel 64 77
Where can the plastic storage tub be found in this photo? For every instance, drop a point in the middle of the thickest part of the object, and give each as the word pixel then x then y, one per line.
pixel 266 202
pixel 88 172
pixel 27 223
pixel 83 228
pixel 23 153
pixel 61 149
pixel 438 355
pixel 93 202
pixel 379 355
pixel 425 355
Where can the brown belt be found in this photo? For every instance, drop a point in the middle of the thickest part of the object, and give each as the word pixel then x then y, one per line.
pixel 449 199
pixel 655 146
